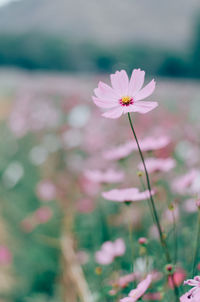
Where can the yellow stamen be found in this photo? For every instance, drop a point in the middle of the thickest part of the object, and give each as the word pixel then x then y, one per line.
pixel 126 99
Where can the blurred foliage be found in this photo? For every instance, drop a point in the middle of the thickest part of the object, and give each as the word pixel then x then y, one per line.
pixel 195 52
pixel 36 261
pixel 38 264
pixel 39 51
pixel 34 51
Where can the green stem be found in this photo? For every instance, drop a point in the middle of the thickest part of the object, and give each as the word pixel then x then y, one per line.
pixel 132 247
pixel 151 197
pixel 162 239
pixel 132 251
pixel 197 245
pixel 175 238
pixel 148 200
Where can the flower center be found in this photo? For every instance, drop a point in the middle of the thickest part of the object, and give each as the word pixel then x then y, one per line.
pixel 126 101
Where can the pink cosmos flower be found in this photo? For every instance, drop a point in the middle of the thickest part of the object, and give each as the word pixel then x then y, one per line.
pixel 193 295
pixel 158 164
pixel 5 255
pixel 28 115
pixel 46 190
pixel 124 95
pixel 146 144
pixel 28 224
pixel 170 214
pixel 153 231
pixel 123 281
pixel 190 205
pixel 142 240
pixel 43 214
pixel 153 143
pixel 185 183
pixel 135 294
pixel 82 257
pixel 119 152
pixel 152 297
pixel 89 187
pixel 109 251
pixel 178 277
pixel 130 194
pixel 85 205
pixel 109 176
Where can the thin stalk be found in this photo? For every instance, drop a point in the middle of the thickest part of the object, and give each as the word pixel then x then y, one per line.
pixel 175 238
pixel 148 200
pixel 132 251
pixel 104 223
pixel 162 239
pixel 132 246
pixel 132 254
pixel 197 245
pixel 151 197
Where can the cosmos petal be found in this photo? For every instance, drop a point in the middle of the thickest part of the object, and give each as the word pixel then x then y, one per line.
pixel 146 91
pixel 106 92
pixel 141 107
pixel 103 103
pixel 114 113
pixel 136 81
pixel 120 82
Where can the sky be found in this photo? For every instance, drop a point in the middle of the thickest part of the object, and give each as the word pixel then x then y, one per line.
pixel 3 2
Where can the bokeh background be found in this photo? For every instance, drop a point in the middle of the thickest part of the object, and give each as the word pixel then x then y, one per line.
pixel 101 36
pixel 52 55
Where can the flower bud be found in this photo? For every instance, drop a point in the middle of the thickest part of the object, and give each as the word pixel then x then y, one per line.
pixel 169 268
pixel 139 173
pixel 171 207
pixel 142 240
pixel 98 270
pixel 198 203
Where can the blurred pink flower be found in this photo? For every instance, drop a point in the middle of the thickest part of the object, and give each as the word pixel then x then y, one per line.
pixel 193 295
pixel 183 184
pixel 82 257
pixel 153 231
pixel 43 214
pixel 152 297
pixel 46 190
pixel 28 224
pixel 178 277
pixel 28 115
pixel 170 215
pixel 130 194
pixel 5 255
pixel 123 281
pixel 18 118
pixel 190 205
pixel 89 187
pixel 124 95
pixel 119 152
pixel 135 294
pixel 158 164
pixel 113 292
pixel 109 176
pixel 109 251
pixel 156 275
pixel 153 143
pixel 142 240
pixel 146 144
pixel 85 205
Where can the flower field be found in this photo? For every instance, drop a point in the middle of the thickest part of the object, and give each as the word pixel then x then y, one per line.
pixel 99 204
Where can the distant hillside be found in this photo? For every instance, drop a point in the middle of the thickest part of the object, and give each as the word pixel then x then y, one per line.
pixel 167 23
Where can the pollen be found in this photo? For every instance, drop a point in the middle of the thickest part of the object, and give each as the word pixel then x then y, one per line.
pixel 126 101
